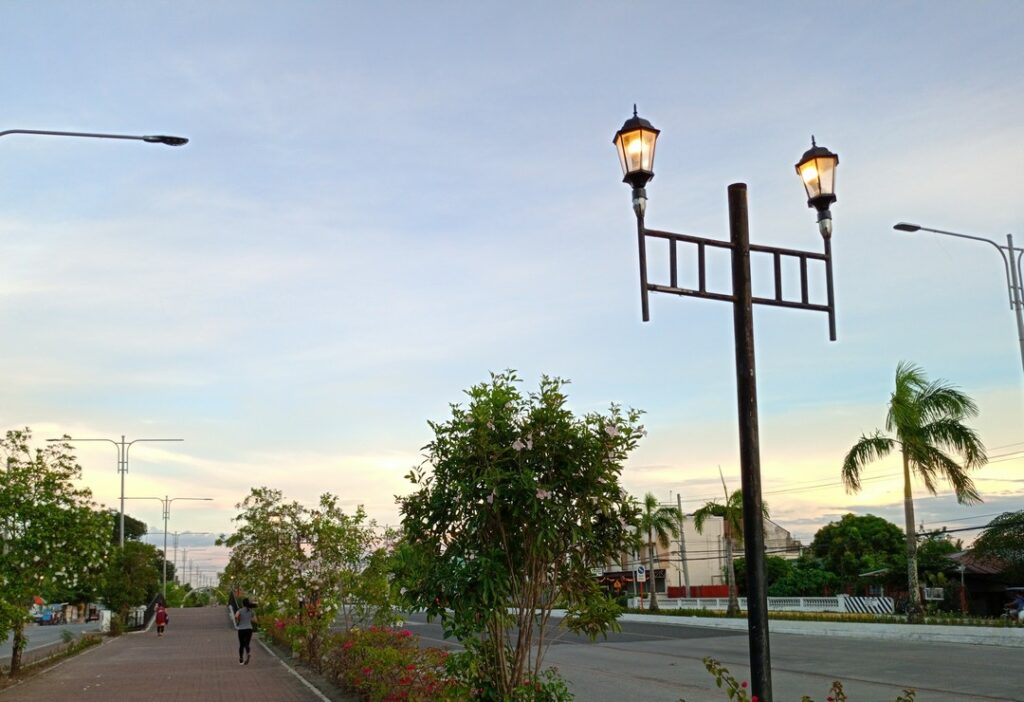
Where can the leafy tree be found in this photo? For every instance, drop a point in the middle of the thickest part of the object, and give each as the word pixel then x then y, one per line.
pixel 1003 540
pixel 858 544
pixel 305 563
pixel 657 522
pixel 731 514
pixel 134 529
pixel 132 578
pixel 51 535
pixel 518 501
pixel 776 568
pixel 926 420
pixel 805 579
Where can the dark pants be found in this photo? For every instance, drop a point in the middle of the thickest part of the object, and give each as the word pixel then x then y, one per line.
pixel 244 637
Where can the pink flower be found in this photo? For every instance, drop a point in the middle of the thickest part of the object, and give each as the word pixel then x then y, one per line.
pixel 405 633
pixel 543 494
pixel 611 430
pixel 490 498
pixel 518 445
pixel 744 684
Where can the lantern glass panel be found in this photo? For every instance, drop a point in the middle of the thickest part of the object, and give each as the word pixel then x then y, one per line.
pixel 636 150
pixel 818 175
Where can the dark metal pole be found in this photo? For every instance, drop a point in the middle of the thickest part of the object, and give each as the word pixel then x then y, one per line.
pixel 750 460
pixel 639 206
pixel 831 293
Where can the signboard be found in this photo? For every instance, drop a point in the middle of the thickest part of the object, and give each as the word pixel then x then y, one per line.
pixel 641 574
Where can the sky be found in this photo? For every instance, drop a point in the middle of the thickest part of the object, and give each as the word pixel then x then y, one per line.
pixel 382 203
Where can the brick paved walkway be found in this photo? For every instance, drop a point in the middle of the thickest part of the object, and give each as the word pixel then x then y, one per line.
pixel 196 661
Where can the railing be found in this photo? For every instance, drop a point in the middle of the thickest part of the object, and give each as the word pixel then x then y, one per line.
pixel 839 603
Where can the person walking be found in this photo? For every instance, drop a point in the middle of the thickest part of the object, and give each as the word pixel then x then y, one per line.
pixel 161 619
pixel 245 618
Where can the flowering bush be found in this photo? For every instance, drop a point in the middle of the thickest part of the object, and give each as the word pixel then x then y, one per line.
pixel 387 665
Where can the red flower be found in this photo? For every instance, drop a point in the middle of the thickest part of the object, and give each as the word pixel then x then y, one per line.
pixel 411 666
pixel 404 680
pixel 347 645
pixel 406 633
pixel 743 684
pixel 367 671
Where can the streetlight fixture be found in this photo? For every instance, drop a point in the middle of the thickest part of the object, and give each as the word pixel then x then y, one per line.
pixel 636 142
pixel 166 504
pixel 122 466
pixel 149 138
pixel 1011 268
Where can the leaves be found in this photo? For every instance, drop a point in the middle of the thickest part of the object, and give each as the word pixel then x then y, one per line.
pixel 522 501
pixel 53 538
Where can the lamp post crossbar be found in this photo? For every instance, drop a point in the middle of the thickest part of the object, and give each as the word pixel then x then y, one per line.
pixel 777 253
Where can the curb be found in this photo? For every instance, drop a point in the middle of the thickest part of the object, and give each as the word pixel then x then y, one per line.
pixel 934 633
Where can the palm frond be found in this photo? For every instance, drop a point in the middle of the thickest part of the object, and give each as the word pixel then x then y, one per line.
pixel 941 399
pixel 903 411
pixel 949 433
pixel 956 475
pixel 866 450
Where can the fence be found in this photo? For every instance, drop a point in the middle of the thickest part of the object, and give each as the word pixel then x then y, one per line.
pixel 840 603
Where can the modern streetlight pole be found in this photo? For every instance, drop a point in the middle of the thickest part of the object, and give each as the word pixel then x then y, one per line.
pixel 165 502
pixel 122 466
pixel 635 143
pixel 1011 267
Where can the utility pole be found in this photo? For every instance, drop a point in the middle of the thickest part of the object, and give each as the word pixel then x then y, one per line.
pixel 682 544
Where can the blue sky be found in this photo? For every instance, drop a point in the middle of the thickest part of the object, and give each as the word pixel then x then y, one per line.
pixel 381 204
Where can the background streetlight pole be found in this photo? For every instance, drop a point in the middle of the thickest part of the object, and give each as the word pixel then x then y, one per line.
pixel 1011 264
pixel 635 142
pixel 122 467
pixel 165 502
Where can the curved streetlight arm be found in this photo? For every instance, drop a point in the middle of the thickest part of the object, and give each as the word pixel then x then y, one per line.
pixel 1007 262
pixel 149 138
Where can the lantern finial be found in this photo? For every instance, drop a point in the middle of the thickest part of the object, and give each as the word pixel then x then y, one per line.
pixel 813 143
pixel 634 109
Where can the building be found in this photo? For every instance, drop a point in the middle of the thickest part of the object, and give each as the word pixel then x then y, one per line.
pixel 697 558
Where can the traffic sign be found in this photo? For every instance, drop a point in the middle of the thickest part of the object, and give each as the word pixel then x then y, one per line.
pixel 641 574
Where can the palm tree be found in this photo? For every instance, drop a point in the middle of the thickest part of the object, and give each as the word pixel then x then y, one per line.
pixel 731 513
pixel 927 419
pixel 659 522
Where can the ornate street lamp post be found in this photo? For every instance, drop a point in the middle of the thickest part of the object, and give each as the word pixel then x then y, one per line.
pixel 636 142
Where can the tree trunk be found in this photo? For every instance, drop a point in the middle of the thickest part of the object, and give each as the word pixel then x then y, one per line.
pixel 914 610
pixel 18 646
pixel 734 600
pixel 650 572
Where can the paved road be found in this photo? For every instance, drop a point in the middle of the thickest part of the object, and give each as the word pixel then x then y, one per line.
pixel 196 661
pixel 45 635
pixel 662 663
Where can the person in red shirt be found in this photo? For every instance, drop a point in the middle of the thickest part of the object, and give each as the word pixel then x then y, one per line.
pixel 161 619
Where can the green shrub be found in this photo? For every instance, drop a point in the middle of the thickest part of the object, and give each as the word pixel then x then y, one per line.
pixel 473 674
pixel 387 665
